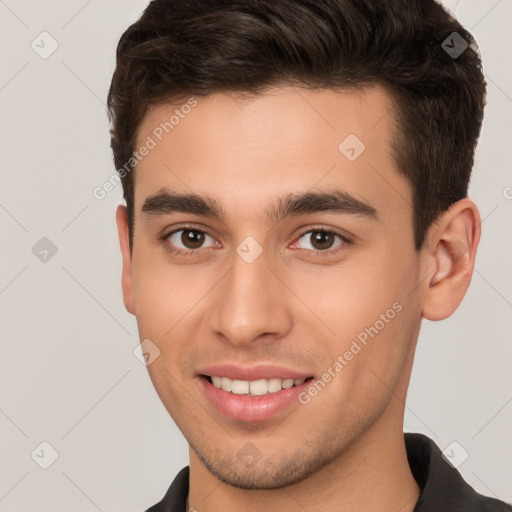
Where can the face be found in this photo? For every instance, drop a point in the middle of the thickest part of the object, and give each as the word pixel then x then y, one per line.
pixel 273 267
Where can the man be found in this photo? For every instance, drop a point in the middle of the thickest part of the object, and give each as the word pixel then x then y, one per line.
pixel 295 175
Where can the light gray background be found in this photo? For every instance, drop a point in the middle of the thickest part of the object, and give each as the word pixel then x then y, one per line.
pixel 68 375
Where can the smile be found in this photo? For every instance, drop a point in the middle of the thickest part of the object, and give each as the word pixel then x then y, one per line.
pixel 251 395
pixel 255 387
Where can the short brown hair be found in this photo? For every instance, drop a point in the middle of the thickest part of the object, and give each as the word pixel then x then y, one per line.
pixel 199 47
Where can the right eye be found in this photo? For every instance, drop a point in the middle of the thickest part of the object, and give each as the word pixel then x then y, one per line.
pixel 188 240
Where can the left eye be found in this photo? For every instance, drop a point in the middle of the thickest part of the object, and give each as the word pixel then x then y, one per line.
pixel 190 239
pixel 320 240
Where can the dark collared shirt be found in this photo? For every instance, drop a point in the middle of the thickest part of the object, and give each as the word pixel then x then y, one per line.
pixel 442 487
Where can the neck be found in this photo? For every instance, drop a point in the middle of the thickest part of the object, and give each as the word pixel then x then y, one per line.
pixel 372 474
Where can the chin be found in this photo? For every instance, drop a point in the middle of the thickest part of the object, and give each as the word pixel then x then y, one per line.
pixel 266 472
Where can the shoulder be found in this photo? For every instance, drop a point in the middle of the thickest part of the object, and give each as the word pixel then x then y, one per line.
pixel 442 486
pixel 175 499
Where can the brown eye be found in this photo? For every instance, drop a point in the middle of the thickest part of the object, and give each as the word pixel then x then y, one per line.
pixel 320 240
pixel 190 239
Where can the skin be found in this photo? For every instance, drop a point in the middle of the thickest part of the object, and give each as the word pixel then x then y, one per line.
pixel 293 306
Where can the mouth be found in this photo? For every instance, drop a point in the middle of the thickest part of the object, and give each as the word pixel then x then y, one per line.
pixel 252 395
pixel 258 387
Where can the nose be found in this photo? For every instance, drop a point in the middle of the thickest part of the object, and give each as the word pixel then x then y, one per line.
pixel 250 305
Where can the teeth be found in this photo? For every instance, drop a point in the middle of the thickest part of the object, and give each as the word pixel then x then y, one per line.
pixel 287 383
pixel 240 387
pixel 226 384
pixel 274 385
pixel 255 387
pixel 258 387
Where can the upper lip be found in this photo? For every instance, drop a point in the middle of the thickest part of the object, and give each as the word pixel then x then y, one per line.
pixel 250 373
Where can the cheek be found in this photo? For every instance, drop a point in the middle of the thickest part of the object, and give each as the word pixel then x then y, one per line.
pixel 354 294
pixel 164 293
pixel 368 311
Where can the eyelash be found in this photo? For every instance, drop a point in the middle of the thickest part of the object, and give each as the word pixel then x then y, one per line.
pixel 328 252
pixel 311 253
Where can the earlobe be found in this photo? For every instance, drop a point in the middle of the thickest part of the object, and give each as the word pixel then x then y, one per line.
pixel 450 256
pixel 126 253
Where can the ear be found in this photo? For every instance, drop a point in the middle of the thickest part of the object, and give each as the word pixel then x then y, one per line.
pixel 124 242
pixel 450 252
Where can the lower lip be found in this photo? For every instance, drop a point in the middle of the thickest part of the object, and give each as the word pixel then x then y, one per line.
pixel 250 408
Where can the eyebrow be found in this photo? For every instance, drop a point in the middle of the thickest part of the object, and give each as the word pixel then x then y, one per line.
pixel 166 202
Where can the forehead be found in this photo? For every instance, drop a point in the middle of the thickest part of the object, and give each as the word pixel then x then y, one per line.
pixel 246 150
